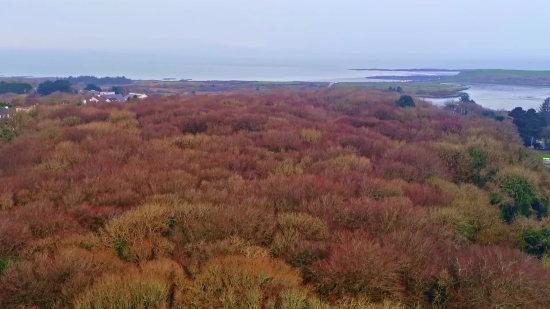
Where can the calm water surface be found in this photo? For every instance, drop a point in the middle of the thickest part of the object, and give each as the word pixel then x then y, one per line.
pixel 505 97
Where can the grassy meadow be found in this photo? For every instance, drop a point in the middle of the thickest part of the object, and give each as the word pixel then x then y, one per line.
pixel 419 89
pixel 510 77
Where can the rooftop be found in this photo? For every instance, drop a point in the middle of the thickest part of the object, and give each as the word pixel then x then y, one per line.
pixel 111 97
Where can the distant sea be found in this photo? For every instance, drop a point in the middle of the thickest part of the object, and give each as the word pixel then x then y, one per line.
pixel 161 65
pixel 203 67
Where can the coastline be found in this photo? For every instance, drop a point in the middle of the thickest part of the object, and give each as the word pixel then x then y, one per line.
pixel 411 70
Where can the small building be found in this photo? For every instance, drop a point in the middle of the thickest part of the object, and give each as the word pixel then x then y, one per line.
pixel 113 98
pixel 106 93
pixel 90 100
pixel 5 113
pixel 132 95
pixel 25 109
pixel 546 161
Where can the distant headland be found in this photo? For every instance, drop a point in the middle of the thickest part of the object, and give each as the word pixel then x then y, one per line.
pixel 410 70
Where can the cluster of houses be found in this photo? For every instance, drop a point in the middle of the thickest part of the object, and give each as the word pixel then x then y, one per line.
pixel 92 97
pixel 5 112
pixel 102 96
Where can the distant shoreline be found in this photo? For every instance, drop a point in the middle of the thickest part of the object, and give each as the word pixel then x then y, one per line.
pixel 410 78
pixel 410 70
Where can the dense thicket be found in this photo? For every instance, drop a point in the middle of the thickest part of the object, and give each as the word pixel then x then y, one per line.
pixel 14 87
pixel 297 199
pixel 93 87
pixel 49 87
pixel 86 80
pixel 529 123
pixel 120 90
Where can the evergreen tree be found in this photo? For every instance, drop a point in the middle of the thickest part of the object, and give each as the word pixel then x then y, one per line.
pixel 465 98
pixel 405 101
pixel 91 87
pixel 529 123
pixel 120 90
pixel 544 110
pixel 14 87
pixel 49 87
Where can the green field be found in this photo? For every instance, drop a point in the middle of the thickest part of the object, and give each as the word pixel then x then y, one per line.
pixel 419 89
pixel 508 77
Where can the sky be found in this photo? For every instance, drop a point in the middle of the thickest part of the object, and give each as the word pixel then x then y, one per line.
pixel 474 29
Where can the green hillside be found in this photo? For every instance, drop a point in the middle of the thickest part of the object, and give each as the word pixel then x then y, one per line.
pixel 508 77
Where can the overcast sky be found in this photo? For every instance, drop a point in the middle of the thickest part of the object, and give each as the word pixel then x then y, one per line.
pixel 453 28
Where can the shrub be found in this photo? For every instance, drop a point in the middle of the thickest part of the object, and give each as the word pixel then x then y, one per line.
pixel 527 200
pixel 75 134
pixel 479 162
pixel 71 121
pixel 536 242
pixel 124 291
pixel 35 220
pixel 14 236
pixel 96 116
pixel 291 194
pixel 384 113
pixel 241 282
pixel 412 162
pixel 347 163
pixel 361 267
pixel 517 280
pixel 287 167
pixel 50 281
pixel 405 101
pixel 455 158
pixel 4 262
pixel 369 144
pixel 311 135
pixel 192 126
pixel 158 131
pixel 376 188
pixel 307 226
pixel 194 255
pixel 377 218
pixel 249 123
pixel 424 195
pixel 137 234
pixel 295 227
pixel 304 253
pixel 278 141
pixel 202 222
pixel 469 214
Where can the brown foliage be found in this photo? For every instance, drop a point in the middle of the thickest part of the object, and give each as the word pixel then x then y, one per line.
pixel 50 281
pixel 260 197
pixel 360 267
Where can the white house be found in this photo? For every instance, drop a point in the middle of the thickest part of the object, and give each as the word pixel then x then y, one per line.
pixel 25 109
pixel 92 100
pixel 4 112
pixel 132 95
